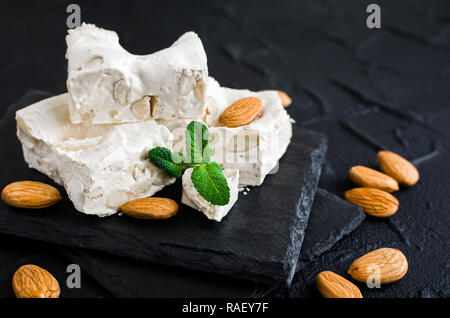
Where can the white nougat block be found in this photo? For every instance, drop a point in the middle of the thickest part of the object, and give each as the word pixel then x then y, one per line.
pixel 107 84
pixel 100 166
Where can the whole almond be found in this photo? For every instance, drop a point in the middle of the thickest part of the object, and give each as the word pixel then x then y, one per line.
pixel 31 281
pixel 331 285
pixel 367 177
pixel 398 168
pixel 374 202
pixel 389 263
pixel 241 112
pixel 285 99
pixel 150 208
pixel 30 195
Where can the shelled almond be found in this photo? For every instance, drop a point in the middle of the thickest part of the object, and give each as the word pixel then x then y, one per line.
pixel 240 113
pixel 31 281
pixel 398 168
pixel 374 202
pixel 370 178
pixel 151 208
pixel 30 195
pixel 285 99
pixel 389 264
pixel 331 285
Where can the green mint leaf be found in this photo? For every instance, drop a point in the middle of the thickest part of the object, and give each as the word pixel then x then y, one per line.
pixel 164 158
pixel 210 182
pixel 197 138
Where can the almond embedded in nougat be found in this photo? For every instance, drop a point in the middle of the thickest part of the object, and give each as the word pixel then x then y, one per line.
pixel 374 202
pixel 31 281
pixel 398 168
pixel 331 285
pixel 241 112
pixel 30 195
pixel 367 177
pixel 285 99
pixel 386 264
pixel 151 208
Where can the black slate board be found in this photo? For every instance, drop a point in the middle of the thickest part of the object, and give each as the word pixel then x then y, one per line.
pixel 331 218
pixel 259 240
pixel 105 275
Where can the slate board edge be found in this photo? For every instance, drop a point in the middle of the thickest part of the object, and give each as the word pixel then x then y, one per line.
pixel 304 207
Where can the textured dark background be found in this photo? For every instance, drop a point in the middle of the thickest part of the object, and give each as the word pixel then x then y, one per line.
pixel 366 89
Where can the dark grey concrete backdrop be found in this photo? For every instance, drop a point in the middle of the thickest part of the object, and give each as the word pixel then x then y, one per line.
pixel 365 89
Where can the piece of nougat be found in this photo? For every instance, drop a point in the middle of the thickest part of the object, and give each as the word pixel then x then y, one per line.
pixel 100 166
pixel 107 84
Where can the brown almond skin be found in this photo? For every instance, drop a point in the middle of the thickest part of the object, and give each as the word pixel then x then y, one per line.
pixel 285 99
pixel 241 112
pixel 374 202
pixel 391 262
pixel 398 168
pixel 31 281
pixel 30 195
pixel 331 285
pixel 151 208
pixel 367 177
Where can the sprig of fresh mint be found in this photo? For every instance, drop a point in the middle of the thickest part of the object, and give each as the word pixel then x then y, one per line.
pixel 207 176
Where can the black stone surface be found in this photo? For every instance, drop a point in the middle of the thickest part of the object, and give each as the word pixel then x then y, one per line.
pixel 363 88
pixel 260 239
